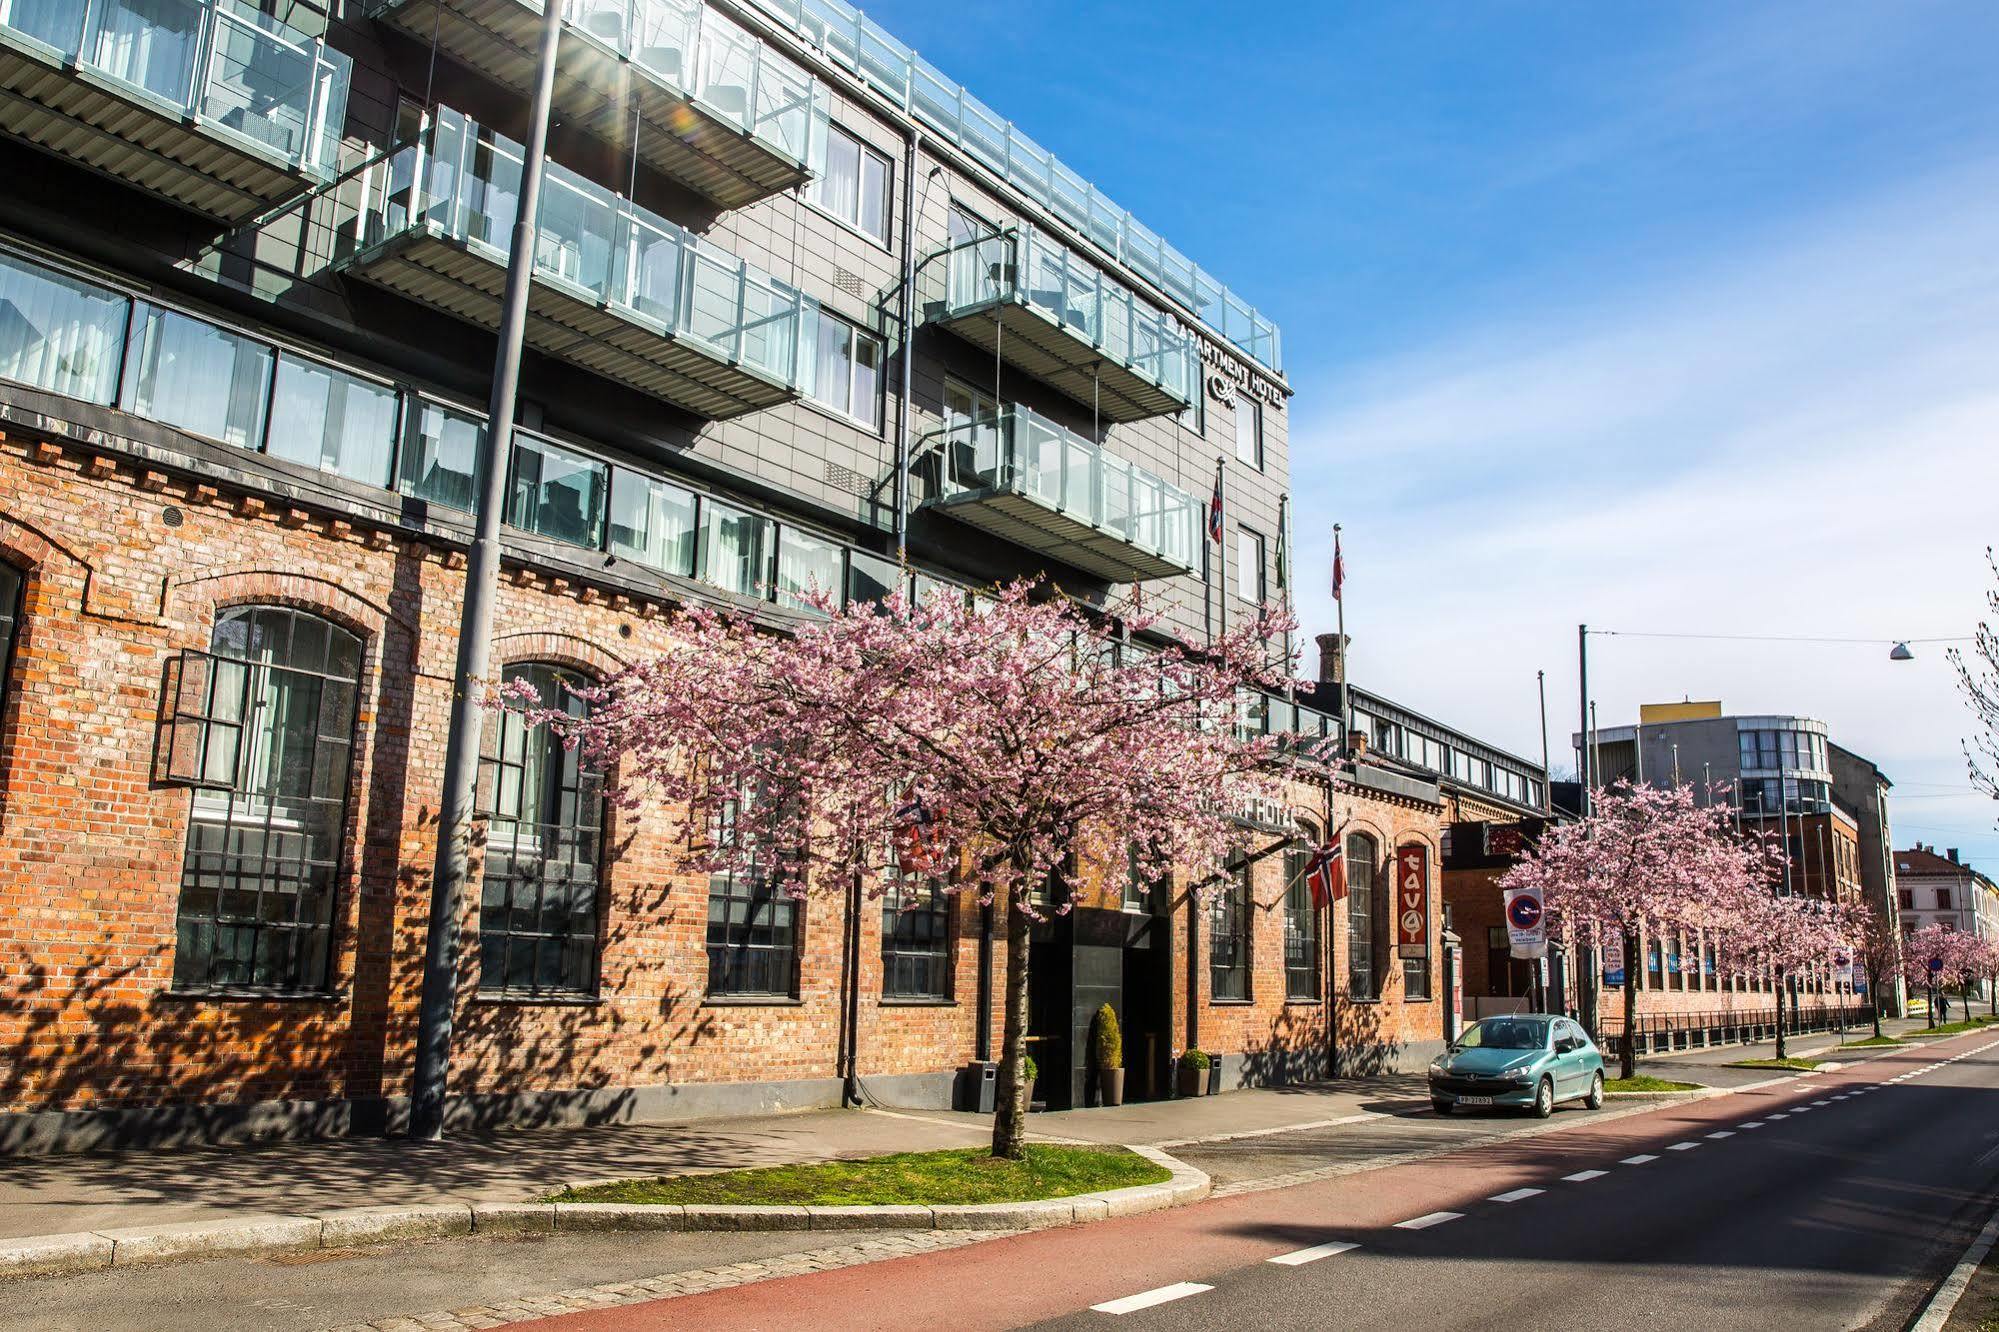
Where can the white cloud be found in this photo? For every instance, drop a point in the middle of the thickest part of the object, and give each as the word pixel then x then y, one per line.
pixel 1803 440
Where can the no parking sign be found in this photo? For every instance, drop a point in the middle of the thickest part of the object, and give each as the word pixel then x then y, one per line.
pixel 1526 922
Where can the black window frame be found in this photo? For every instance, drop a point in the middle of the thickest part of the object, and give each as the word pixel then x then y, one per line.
pixel 1230 941
pixel 1304 974
pixel 918 945
pixel 570 806
pixel 220 949
pixel 730 957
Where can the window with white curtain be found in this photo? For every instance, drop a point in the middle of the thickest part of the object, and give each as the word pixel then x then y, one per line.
pixel 206 380
pixel 847 371
pixel 57 333
pixel 854 183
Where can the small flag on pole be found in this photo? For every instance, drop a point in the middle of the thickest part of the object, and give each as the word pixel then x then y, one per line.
pixel 917 838
pixel 1339 569
pixel 1215 510
pixel 1326 875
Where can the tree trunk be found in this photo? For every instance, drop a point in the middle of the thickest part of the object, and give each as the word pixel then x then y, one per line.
pixel 1933 1005
pixel 1781 1047
pixel 1874 1000
pixel 1010 1110
pixel 1628 1061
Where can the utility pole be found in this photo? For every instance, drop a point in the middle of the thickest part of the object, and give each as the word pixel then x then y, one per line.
pixel 475 632
pixel 1541 685
pixel 1589 981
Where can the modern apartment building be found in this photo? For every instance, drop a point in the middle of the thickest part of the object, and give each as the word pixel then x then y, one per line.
pixel 806 313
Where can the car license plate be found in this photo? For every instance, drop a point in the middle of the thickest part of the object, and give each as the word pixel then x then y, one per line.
pixel 1474 1100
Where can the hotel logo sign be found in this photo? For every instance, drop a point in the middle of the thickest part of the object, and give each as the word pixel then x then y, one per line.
pixel 1226 377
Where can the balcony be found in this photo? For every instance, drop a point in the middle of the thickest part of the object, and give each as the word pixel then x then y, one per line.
pixel 207 102
pixel 617 289
pixel 1045 310
pixel 1021 477
pixel 717 109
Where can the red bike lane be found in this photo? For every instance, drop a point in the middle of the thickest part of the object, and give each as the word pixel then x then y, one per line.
pixel 1021 1279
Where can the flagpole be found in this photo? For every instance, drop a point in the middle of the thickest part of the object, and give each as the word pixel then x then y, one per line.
pixel 1222 542
pixel 1346 673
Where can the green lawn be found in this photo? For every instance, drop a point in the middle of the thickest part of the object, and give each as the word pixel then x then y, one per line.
pixel 1800 1065
pixel 969 1176
pixel 1642 1083
pixel 1954 1028
pixel 1874 1040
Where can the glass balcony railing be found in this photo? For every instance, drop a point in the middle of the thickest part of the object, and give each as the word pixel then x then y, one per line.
pixel 1023 454
pixel 1032 268
pixel 851 39
pixel 703 56
pixel 461 182
pixel 234 70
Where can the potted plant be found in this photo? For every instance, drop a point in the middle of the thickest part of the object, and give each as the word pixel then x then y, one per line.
pixel 1193 1075
pixel 1107 1048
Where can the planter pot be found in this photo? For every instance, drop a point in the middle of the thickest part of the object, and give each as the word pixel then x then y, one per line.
pixel 1110 1085
pixel 1192 1081
pixel 1027 1096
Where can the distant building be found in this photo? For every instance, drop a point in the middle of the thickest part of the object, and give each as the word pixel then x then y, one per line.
pixel 1933 889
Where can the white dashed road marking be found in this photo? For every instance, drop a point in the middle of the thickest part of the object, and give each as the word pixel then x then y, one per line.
pixel 1683 1146
pixel 1584 1176
pixel 1179 1290
pixel 1640 1159
pixel 1779 1115
pixel 1722 1133
pixel 1753 1123
pixel 1426 1221
pixel 1516 1195
pixel 1311 1255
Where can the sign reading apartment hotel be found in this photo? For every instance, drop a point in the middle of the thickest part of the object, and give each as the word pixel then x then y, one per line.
pixel 1526 923
pixel 1227 377
pixel 1412 901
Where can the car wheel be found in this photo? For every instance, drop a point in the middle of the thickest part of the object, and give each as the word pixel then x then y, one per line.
pixel 1544 1099
pixel 1595 1098
pixel 1441 1107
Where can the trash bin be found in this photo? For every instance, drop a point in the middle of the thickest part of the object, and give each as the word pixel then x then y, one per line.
pixel 978 1086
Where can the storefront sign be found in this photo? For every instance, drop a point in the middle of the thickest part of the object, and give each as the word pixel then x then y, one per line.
pixel 1526 923
pixel 1613 960
pixel 1412 901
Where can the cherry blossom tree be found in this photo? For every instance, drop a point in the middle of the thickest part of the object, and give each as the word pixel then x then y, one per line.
pixel 1789 938
pixel 1879 952
pixel 1978 679
pixel 1935 958
pixel 1647 860
pixel 1003 743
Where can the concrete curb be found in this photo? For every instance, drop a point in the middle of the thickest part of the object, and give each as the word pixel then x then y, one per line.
pixel 262 1235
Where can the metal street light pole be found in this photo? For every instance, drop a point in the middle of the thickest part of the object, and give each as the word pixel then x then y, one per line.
pixel 475 632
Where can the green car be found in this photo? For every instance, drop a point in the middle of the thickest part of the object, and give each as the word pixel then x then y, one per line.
pixel 1529 1061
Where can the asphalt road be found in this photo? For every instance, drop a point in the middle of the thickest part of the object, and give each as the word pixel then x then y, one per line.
pixel 1835 1201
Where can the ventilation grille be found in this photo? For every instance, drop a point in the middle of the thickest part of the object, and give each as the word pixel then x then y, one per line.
pixel 847 479
pixel 850 283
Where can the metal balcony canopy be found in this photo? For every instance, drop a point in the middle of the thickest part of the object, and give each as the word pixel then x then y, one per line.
pixel 207 102
pixel 1027 480
pixel 717 109
pixel 1051 313
pixel 617 289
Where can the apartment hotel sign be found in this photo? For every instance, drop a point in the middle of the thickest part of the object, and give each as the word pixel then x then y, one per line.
pixel 1228 377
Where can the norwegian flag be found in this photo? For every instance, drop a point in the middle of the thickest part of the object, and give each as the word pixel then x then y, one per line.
pixel 1215 510
pixel 1326 875
pixel 1339 570
pixel 918 838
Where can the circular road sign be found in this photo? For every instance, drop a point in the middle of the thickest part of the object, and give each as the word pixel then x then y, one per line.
pixel 1524 911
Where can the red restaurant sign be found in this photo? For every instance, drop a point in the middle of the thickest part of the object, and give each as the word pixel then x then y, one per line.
pixel 1412 901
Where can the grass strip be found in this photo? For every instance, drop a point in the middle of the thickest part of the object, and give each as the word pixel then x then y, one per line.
pixel 1798 1065
pixel 1874 1040
pixel 972 1175
pixel 1644 1083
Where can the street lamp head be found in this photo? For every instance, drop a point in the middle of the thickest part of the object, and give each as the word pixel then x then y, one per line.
pixel 1900 652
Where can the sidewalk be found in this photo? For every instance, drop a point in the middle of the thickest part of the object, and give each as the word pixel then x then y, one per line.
pixel 60 1194
pixel 1710 1066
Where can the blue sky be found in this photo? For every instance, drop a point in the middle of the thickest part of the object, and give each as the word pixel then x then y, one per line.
pixel 1676 317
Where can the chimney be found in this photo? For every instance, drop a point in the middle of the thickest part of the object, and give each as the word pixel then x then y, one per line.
pixel 1332 659
pixel 1953 855
pixel 1357 742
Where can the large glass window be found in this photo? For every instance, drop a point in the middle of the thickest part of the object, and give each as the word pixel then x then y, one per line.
pixel 1249 431
pixel 854 184
pixel 847 371
pixel 441 458
pixel 1301 928
pixel 324 418
pixel 1363 971
pixel 753 926
pixel 806 565
pixel 557 492
pixel 735 549
pixel 1228 937
pixel 870 577
pixel 544 850
pixel 59 334
pixel 263 842
pixel 652 521
pixel 1249 585
pixel 916 940
pixel 206 380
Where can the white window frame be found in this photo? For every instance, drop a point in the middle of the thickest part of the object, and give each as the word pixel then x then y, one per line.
pixel 1254 410
pixel 813 192
pixel 1250 541
pixel 845 411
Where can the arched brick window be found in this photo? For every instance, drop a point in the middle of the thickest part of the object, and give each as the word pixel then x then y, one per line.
pixel 264 732
pixel 538 904
pixel 1364 971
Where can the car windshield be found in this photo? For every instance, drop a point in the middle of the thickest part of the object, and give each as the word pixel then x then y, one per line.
pixel 1504 1034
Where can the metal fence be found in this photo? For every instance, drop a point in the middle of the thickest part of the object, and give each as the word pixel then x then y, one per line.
pixel 1661 1033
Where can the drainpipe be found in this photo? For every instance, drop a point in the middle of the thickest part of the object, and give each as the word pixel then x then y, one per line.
pixel 850 1000
pixel 983 1045
pixel 911 142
